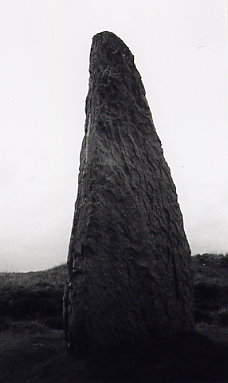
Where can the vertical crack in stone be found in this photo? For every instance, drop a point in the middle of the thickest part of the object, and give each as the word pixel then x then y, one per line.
pixel 87 137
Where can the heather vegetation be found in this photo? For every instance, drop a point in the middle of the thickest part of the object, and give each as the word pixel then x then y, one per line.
pixel 32 347
pixel 211 288
pixel 33 296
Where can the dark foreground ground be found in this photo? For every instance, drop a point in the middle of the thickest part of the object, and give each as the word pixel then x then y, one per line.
pixel 32 347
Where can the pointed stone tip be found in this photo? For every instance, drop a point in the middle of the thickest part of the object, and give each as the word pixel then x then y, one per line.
pixel 106 35
pixel 107 38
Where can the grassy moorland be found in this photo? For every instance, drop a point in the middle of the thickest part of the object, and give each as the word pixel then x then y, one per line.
pixel 32 347
pixel 33 296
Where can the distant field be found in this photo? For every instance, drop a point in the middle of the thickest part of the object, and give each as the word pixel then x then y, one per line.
pixel 55 277
pixel 32 347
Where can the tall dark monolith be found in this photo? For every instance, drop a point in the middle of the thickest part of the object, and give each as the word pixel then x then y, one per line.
pixel 129 259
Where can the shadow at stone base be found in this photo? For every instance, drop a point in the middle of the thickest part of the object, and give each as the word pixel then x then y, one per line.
pixel 186 359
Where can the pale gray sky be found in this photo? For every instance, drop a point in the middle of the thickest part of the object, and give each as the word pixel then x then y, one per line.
pixel 180 49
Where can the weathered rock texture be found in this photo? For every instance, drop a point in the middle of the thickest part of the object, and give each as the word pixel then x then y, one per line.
pixel 129 259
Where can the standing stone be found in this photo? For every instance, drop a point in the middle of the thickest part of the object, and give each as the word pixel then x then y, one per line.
pixel 129 259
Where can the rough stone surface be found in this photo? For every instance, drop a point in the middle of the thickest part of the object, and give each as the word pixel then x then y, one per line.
pixel 129 259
